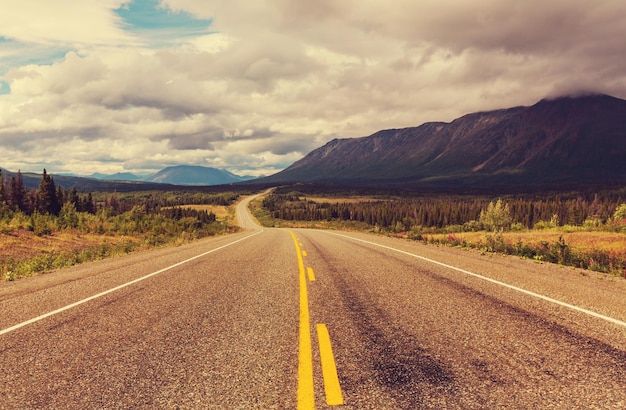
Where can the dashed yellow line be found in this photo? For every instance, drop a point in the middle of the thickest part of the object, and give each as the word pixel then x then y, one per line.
pixel 332 388
pixel 306 391
pixel 306 397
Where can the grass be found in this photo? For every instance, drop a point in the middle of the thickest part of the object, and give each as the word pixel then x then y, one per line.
pixel 24 253
pixel 222 213
pixel 610 242
pixel 28 248
pixel 594 250
pixel 580 246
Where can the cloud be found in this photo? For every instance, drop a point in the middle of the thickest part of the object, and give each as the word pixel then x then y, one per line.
pixel 264 83
pixel 64 22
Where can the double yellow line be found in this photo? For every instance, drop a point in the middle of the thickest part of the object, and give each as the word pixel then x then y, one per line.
pixel 332 388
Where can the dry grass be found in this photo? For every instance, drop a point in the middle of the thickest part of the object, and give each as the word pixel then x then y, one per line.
pixel 221 212
pixel 21 245
pixel 612 243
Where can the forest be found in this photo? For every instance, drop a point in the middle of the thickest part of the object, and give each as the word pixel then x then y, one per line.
pixel 405 214
pixel 453 220
pixel 104 223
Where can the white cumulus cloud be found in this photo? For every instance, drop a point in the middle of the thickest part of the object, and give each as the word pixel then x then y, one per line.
pixel 271 80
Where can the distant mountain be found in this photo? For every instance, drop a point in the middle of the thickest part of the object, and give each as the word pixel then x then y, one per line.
pixel 167 178
pixel 119 176
pixel 82 184
pixel 561 142
pixel 195 175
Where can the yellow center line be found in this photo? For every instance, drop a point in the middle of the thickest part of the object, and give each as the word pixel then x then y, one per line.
pixel 311 274
pixel 329 369
pixel 306 397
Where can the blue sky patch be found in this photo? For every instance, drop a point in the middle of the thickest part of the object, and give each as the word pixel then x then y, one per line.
pixel 4 88
pixel 146 19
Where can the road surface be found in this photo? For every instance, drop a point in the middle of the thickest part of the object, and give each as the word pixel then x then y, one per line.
pixel 286 319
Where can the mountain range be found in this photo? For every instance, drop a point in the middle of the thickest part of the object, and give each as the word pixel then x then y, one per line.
pixel 186 175
pixel 563 142
pixel 195 175
pixel 179 175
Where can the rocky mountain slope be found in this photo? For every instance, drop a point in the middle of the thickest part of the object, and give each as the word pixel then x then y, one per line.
pixel 554 142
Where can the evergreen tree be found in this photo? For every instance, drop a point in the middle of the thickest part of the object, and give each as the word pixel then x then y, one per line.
pixel 16 197
pixel 73 198
pixel 87 204
pixel 3 197
pixel 47 200
pixel 61 195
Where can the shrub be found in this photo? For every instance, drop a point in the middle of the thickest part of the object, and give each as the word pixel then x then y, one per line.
pixel 496 217
pixel 620 214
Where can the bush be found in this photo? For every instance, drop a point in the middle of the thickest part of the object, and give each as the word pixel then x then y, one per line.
pixel 620 214
pixel 68 217
pixel 496 217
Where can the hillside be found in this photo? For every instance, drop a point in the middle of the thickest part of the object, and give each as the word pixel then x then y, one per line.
pixel 554 143
pixel 31 180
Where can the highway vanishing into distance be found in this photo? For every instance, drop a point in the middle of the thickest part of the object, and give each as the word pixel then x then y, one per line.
pixel 295 318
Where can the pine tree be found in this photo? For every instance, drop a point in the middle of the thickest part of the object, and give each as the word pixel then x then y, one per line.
pixel 87 204
pixel 47 200
pixel 3 196
pixel 16 197
pixel 73 198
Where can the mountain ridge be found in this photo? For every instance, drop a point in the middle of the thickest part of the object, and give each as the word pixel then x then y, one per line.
pixel 555 141
pixel 195 175
pixel 175 176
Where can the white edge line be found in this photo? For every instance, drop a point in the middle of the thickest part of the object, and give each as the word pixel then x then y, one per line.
pixel 106 292
pixel 497 282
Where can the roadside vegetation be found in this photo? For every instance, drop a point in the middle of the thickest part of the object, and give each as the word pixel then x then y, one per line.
pixel 582 230
pixel 49 227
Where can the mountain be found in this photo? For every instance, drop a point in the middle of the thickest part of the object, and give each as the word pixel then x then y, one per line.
pixel 119 176
pixel 31 180
pixel 167 178
pixel 560 142
pixel 195 175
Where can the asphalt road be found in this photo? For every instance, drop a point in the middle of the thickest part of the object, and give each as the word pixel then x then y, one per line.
pixel 273 318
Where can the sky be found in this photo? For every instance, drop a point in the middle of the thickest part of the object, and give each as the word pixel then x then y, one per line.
pixel 113 86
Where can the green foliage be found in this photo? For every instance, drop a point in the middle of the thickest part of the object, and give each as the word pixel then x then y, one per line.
pixel 437 212
pixel 619 216
pixel 137 215
pixel 558 252
pixel 68 217
pixel 419 217
pixel 42 224
pixel 47 200
pixel 497 216
pixel 16 194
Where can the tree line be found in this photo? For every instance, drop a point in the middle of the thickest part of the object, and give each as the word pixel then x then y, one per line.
pixel 50 199
pixel 47 199
pixel 438 212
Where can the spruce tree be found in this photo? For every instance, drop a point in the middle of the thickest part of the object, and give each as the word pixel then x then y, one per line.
pixel 74 199
pixel 16 197
pixel 47 200
pixel 3 196
pixel 88 205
